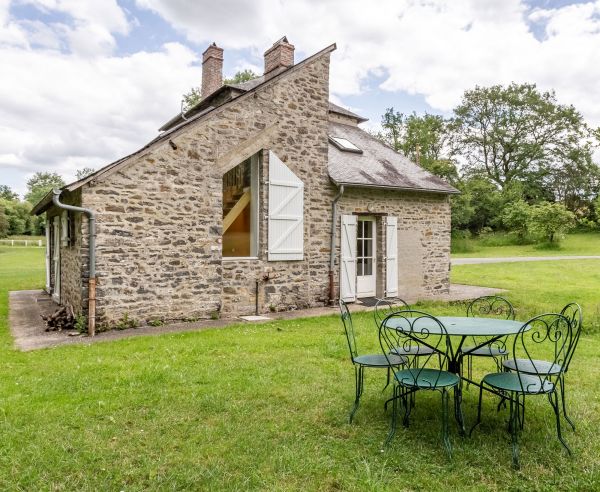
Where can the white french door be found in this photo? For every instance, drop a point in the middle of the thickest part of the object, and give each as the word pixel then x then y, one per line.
pixel 366 257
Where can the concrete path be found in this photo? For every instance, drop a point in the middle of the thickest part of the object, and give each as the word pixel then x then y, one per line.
pixel 28 328
pixel 513 259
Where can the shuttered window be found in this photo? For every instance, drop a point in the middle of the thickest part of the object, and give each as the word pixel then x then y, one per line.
pixel 286 212
pixel 391 256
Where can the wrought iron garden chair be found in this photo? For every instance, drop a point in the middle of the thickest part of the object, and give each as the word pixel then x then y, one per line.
pixel 573 313
pixel 488 306
pixel 377 361
pixel 384 308
pixel 547 333
pixel 406 329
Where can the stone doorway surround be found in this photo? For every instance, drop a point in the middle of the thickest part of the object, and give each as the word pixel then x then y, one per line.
pixel 28 328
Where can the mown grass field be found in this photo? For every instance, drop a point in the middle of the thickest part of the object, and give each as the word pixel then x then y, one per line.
pixel 578 244
pixel 264 407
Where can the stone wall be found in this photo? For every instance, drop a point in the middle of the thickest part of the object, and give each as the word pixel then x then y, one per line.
pixel 423 237
pixel 159 214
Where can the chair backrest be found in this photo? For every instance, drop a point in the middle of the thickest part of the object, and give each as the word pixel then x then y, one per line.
pixel 573 313
pixel 491 306
pixel 537 338
pixel 410 328
pixel 386 306
pixel 348 329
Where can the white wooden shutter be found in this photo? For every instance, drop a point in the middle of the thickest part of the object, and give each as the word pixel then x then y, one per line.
pixel 286 212
pixel 391 256
pixel 348 258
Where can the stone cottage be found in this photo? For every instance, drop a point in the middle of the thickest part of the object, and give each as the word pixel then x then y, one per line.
pixel 234 207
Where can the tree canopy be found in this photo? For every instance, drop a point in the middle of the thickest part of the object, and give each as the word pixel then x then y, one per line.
pixel 516 132
pixel 423 139
pixel 194 95
pixel 508 149
pixel 40 184
pixel 84 172
pixel 7 194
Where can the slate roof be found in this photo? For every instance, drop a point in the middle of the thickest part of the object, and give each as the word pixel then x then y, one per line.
pixel 334 108
pixel 378 165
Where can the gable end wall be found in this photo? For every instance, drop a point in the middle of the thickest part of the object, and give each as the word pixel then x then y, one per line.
pixel 159 220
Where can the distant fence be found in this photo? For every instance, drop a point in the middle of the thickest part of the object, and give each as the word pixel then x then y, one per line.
pixel 34 243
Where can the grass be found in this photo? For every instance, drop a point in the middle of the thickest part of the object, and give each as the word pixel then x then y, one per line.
pixel 541 286
pixel 259 407
pixel 498 245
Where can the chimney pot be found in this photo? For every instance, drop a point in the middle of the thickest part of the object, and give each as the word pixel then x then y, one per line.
pixel 280 55
pixel 212 70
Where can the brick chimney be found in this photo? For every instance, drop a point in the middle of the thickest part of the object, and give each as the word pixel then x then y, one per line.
pixel 212 70
pixel 281 54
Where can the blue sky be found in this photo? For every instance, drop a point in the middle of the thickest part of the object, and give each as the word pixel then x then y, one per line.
pixel 87 82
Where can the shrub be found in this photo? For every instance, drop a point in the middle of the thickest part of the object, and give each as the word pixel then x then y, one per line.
pixel 550 221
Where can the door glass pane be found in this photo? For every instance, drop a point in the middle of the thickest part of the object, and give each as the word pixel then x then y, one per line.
pixel 368 225
pixel 359 248
pixel 359 267
pixel 368 247
pixel 368 266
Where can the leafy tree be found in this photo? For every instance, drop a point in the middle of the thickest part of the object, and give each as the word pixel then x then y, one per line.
pixel 510 133
pixel 191 98
pixel 17 216
pixel 241 76
pixel 462 211
pixel 84 172
pixel 423 139
pixel 7 194
pixel 40 184
pixel 3 222
pixel 194 95
pixel 550 221
pixel 515 218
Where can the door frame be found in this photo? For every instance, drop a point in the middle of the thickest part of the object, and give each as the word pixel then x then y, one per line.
pixel 366 285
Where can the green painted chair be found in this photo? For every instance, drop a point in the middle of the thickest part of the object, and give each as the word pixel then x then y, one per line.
pixel 544 334
pixel 573 313
pixel 360 362
pixel 406 329
pixel 384 308
pixel 488 307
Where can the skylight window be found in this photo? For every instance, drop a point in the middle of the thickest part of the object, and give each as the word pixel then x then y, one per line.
pixel 345 144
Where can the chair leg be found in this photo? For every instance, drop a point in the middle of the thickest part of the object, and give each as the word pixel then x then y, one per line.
pixel 359 379
pixel 408 405
pixel 387 381
pixel 394 419
pixel 478 421
pixel 514 430
pixel 445 436
pixel 458 414
pixel 561 382
pixel 553 398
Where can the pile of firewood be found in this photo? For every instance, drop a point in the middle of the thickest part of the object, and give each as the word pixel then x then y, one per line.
pixel 61 319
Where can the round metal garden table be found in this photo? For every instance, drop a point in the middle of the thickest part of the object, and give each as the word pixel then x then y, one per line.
pixel 461 327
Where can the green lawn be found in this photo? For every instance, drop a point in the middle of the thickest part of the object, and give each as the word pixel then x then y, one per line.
pixel 262 407
pixel 572 244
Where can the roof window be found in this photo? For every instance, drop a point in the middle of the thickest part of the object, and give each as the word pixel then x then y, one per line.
pixel 345 144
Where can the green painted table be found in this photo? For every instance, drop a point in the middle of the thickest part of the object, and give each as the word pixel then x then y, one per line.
pixel 462 327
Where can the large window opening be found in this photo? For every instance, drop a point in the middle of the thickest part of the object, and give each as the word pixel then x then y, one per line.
pixel 240 209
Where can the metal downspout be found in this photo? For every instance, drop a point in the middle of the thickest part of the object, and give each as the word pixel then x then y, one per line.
pixel 333 239
pixel 92 257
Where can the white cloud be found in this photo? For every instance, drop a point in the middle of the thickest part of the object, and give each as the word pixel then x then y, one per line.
pixel 68 100
pixel 433 48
